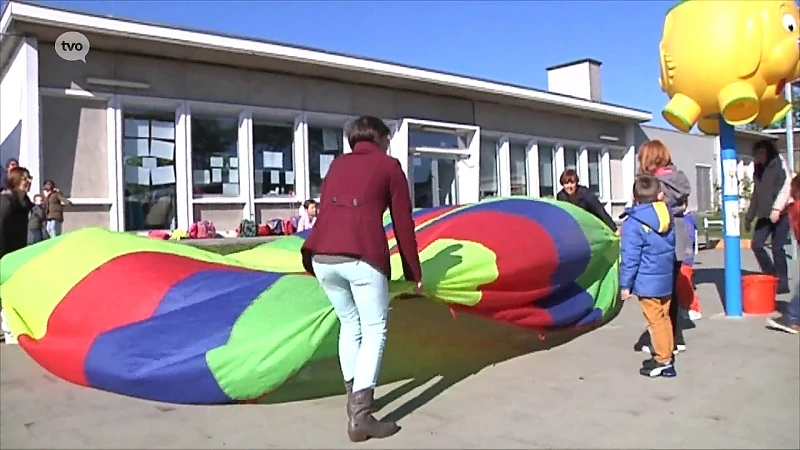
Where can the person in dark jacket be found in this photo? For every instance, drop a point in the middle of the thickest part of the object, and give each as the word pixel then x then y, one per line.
pixel 14 208
pixel 767 202
pixel 582 197
pixel 54 201
pixel 36 221
pixel 348 253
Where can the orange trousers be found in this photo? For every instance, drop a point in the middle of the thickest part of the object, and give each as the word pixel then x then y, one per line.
pixel 687 297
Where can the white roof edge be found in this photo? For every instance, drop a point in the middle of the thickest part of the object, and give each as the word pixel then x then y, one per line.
pixel 118 27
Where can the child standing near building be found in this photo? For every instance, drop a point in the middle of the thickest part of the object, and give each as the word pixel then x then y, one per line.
pixel 309 216
pixel 36 220
pixel 646 270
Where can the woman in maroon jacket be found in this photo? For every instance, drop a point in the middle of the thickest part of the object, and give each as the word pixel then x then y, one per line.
pixel 348 253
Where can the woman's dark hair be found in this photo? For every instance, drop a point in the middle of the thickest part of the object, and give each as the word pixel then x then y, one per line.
pixel 567 176
pixel 366 129
pixel 308 203
pixel 769 147
pixel 10 161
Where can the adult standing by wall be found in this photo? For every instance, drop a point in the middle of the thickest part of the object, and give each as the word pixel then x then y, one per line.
pixel 14 208
pixel 767 202
pixel 582 197
pixel 348 253
pixel 655 159
pixel 54 201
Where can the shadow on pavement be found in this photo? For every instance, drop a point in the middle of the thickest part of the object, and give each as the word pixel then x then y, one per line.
pixel 425 343
pixel 716 276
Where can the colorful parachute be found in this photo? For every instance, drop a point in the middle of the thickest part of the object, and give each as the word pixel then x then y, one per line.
pixel 169 322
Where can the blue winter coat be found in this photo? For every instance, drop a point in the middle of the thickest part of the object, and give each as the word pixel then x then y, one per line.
pixel 648 250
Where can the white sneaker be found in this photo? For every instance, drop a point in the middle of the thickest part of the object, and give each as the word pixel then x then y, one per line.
pixel 678 349
pixel 694 315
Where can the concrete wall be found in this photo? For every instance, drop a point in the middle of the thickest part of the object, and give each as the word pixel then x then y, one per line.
pixel 19 106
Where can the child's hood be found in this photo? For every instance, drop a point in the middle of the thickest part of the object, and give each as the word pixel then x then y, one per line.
pixel 655 215
pixel 676 185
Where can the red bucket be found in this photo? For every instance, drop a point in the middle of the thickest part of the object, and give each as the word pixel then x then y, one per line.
pixel 759 293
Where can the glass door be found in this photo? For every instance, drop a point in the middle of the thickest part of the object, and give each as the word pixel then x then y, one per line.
pixel 434 181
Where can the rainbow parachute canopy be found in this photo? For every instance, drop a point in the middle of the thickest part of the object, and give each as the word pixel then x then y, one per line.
pixel 169 322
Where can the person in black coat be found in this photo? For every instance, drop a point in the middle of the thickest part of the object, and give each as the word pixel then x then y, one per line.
pixel 14 209
pixel 767 203
pixel 582 197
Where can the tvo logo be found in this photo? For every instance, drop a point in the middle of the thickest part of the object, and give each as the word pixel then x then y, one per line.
pixel 72 46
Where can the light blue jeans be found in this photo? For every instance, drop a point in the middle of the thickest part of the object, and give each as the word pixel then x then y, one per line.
pixel 53 228
pixel 359 294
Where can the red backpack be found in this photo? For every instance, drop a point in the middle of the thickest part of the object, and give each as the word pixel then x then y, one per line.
pixel 202 229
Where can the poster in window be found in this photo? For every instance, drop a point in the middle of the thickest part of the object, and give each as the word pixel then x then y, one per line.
pixel 330 139
pixel 202 177
pixel 216 161
pixel 136 128
pixel 233 162
pixel 289 176
pixel 325 162
pixel 274 177
pixel 137 175
pixel 162 175
pixel 135 147
pixel 163 130
pixel 230 190
pixel 163 150
pixel 149 163
pixel 216 175
pixel 233 176
pixel 273 160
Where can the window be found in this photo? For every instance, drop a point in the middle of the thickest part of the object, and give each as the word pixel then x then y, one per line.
pixel 273 159
pixel 215 157
pixel 704 191
pixel 148 155
pixel 571 157
pixel 518 154
pixel 489 169
pixel 594 171
pixel 324 145
pixel 546 169
pixel 436 139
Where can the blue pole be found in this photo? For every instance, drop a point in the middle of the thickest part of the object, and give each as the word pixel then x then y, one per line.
pixel 790 149
pixel 730 220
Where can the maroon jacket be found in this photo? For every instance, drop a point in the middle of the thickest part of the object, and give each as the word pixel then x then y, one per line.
pixel 357 190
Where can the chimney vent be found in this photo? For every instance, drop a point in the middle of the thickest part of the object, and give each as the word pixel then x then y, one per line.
pixel 579 78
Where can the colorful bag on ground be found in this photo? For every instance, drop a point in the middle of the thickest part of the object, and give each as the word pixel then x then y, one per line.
pixel 202 229
pixel 247 228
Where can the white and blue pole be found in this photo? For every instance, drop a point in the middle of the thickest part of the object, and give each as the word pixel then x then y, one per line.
pixel 730 219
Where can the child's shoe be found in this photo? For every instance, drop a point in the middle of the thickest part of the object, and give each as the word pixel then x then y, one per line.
pixel 782 323
pixel 678 348
pixel 651 368
pixel 695 315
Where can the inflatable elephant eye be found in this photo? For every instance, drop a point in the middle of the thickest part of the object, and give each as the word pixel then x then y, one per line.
pixel 789 23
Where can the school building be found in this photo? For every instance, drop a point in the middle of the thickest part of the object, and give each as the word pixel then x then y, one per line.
pixel 162 126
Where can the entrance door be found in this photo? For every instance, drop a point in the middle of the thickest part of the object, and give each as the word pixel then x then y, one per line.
pixel 434 181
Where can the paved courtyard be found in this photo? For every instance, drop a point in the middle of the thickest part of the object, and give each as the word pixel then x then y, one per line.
pixel 467 384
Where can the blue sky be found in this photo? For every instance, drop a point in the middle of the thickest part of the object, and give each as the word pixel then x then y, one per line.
pixel 505 41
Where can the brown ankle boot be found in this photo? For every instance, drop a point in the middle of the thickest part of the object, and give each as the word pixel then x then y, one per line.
pixel 348 388
pixel 362 425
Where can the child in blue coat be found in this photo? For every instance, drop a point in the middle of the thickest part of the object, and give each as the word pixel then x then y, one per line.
pixel 646 269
